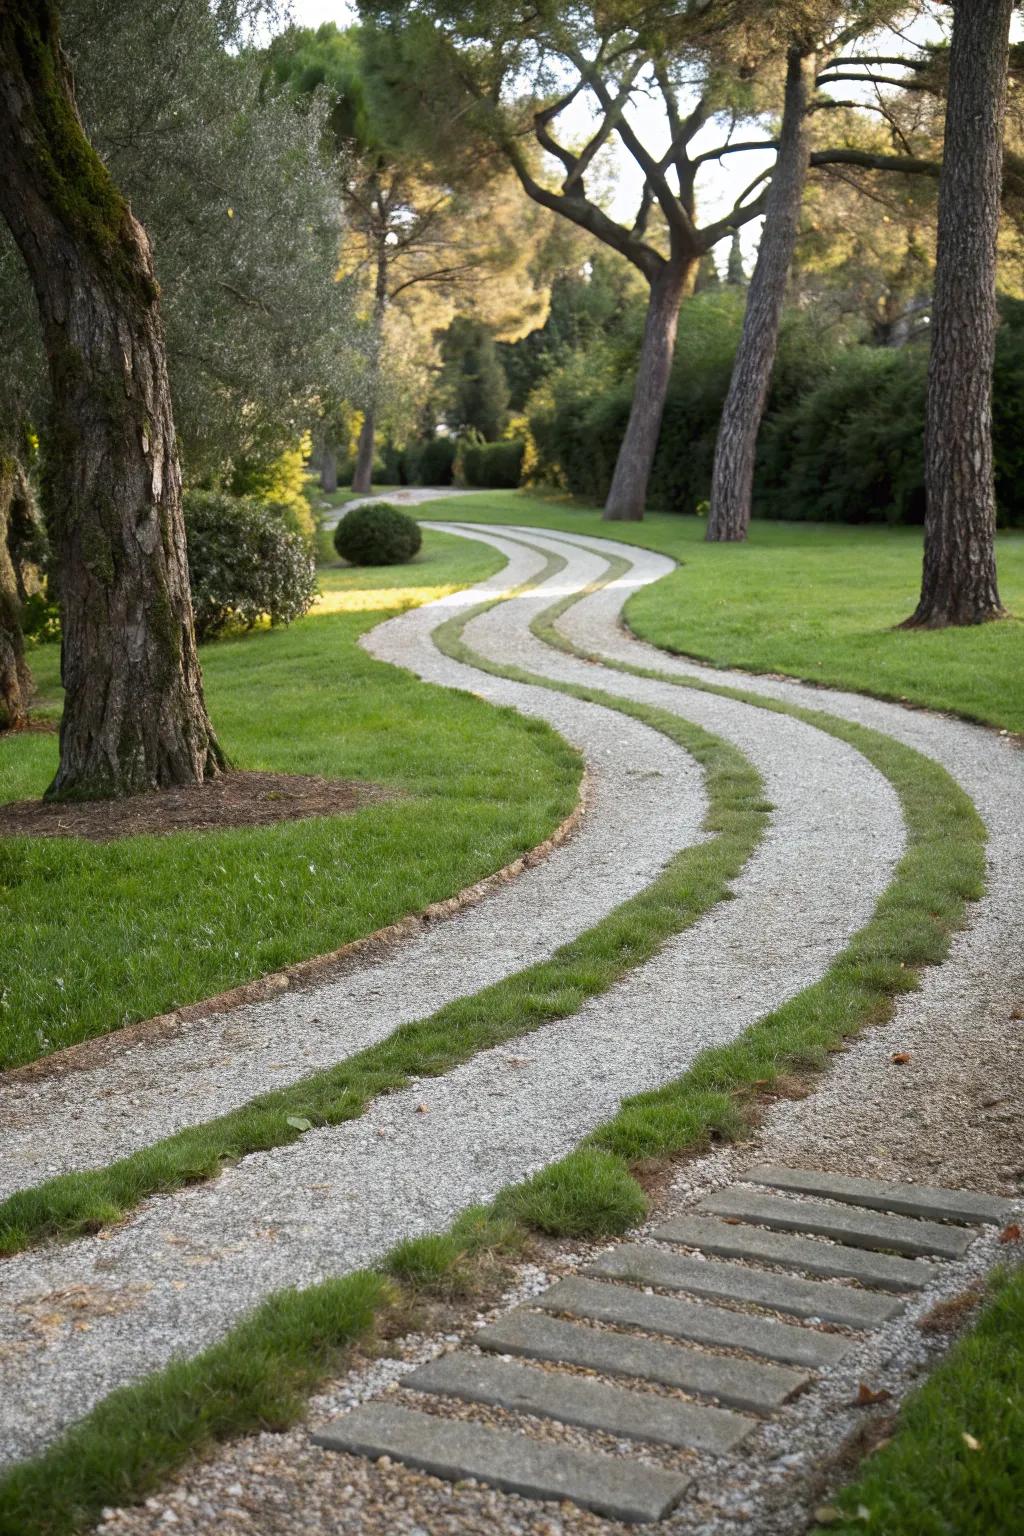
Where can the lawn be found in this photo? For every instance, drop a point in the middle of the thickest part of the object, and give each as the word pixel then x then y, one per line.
pixel 956 1464
pixel 815 601
pixel 96 936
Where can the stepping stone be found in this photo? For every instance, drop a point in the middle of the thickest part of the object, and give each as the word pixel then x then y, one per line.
pixel 576 1400
pixel 692 1320
pixel 453 1449
pixel 963 1205
pixel 740 1383
pixel 860 1229
pixel 736 1241
pixel 645 1265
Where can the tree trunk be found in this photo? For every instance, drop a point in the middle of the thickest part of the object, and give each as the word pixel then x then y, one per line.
pixel 628 491
pixel 134 715
pixel 959 576
pixel 733 477
pixel 15 680
pixel 362 479
pixel 328 468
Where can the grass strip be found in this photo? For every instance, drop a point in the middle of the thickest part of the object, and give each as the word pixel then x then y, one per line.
pixel 692 881
pixel 120 1451
pixel 956 1462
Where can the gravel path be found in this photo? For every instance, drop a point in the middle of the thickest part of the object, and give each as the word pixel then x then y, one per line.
pixel 174 1277
pixel 644 793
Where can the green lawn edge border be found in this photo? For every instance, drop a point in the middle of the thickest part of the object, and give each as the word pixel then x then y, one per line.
pixel 70 1205
pixel 256 1376
pixel 928 1480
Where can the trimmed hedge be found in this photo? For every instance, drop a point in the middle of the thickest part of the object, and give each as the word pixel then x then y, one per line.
pixel 377 534
pixel 244 563
pixel 842 439
pixel 494 466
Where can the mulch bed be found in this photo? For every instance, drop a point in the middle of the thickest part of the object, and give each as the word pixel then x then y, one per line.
pixel 234 800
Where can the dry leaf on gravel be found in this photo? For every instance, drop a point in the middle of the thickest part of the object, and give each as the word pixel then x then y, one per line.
pixel 1010 1234
pixel 866 1396
pixel 900 1058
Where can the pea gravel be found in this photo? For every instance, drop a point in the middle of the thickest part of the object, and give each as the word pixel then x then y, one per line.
pixel 644 794
pixel 174 1277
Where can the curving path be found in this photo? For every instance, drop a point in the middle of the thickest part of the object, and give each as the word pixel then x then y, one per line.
pixel 186 1267
pixel 145 1089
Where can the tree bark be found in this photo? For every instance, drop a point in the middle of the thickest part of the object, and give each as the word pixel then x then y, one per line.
pixel 362 478
pixel 732 480
pixel 958 583
pixel 328 468
pixel 134 715
pixel 628 491
pixel 15 679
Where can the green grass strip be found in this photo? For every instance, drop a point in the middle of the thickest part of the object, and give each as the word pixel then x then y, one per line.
pixel 931 1480
pixel 692 881
pixel 141 1434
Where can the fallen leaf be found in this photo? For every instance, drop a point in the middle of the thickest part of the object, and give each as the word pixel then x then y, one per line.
pixel 300 1123
pixel 863 1513
pixel 900 1058
pixel 867 1395
pixel 422 1109
pixel 970 1442
pixel 1010 1234
pixel 827 1514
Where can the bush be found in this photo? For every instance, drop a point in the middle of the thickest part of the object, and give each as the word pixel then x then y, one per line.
pixel 377 534
pixel 494 466
pixel 244 564
pixel 842 439
pixel 435 461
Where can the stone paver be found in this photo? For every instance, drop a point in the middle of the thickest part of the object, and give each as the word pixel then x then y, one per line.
pixel 646 1265
pixel 738 1383
pixel 576 1400
pixel 452 1449
pixel 733 1240
pixel 960 1205
pixel 694 1321
pixel 859 1229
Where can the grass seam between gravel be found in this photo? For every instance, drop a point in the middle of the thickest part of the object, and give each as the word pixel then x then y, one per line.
pixel 82 1201
pixel 256 1376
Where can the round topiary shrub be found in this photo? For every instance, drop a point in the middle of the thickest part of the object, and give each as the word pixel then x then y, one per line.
pixel 244 564
pixel 377 534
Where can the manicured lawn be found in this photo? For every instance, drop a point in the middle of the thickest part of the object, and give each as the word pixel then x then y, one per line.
pixel 956 1464
pixel 816 601
pixel 97 935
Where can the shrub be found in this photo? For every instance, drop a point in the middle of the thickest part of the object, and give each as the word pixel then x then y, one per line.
pixel 494 466
pixel 377 534
pixel 435 461
pixel 244 564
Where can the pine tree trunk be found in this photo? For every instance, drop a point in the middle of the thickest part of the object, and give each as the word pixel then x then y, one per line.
pixel 15 680
pixel 134 715
pixel 736 447
pixel 328 468
pixel 628 491
pixel 959 576
pixel 362 479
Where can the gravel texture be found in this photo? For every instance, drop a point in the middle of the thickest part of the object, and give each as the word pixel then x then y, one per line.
pixel 644 794
pixel 187 1266
pixel 953 1114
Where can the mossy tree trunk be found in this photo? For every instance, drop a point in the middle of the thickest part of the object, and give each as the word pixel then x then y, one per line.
pixel 958 584
pixel 134 714
pixel 15 681
pixel 732 481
